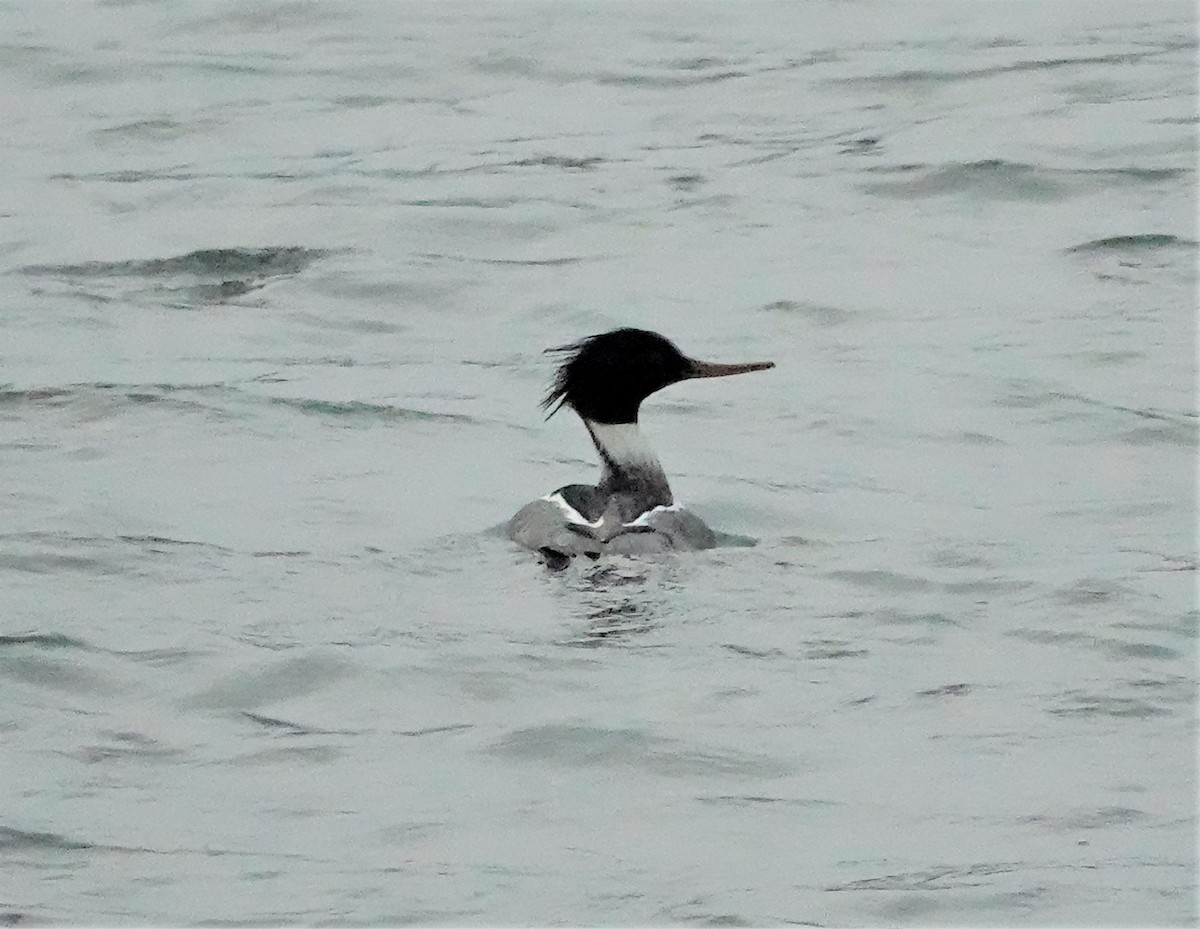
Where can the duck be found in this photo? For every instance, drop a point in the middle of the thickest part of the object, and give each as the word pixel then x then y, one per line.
pixel 631 510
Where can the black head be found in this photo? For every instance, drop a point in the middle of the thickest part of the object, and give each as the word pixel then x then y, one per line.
pixel 606 377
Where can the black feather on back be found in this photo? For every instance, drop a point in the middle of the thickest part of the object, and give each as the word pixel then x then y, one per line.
pixel 605 377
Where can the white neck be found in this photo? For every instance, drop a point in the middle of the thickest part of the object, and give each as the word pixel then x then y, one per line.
pixel 630 465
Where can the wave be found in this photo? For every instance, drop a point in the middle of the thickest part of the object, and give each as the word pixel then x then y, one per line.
pixel 915 76
pixel 1011 180
pixel 44 640
pixel 358 409
pixel 1143 242
pixel 200 278
pixel 238 262
pixel 220 400
pixel 20 840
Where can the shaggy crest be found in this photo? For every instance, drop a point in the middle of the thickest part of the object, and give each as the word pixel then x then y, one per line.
pixel 605 377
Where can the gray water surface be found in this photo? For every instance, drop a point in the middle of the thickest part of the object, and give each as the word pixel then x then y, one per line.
pixel 275 280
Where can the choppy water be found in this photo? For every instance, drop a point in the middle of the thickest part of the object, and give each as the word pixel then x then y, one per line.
pixel 276 278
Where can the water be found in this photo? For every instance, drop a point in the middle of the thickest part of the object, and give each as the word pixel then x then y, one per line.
pixel 276 281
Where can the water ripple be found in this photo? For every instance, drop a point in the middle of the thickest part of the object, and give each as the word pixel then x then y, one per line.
pixel 238 262
pixel 202 277
pixel 1136 243
pixel 589 746
pixel 1007 180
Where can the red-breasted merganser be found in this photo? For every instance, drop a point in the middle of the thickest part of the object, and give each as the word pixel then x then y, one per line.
pixel 604 378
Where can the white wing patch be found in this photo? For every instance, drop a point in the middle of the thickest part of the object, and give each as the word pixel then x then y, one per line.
pixel 644 519
pixel 573 515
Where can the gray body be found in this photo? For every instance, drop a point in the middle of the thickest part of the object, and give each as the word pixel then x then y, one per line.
pixel 604 524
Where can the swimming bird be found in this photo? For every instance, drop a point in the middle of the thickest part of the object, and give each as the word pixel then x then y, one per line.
pixel 604 378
